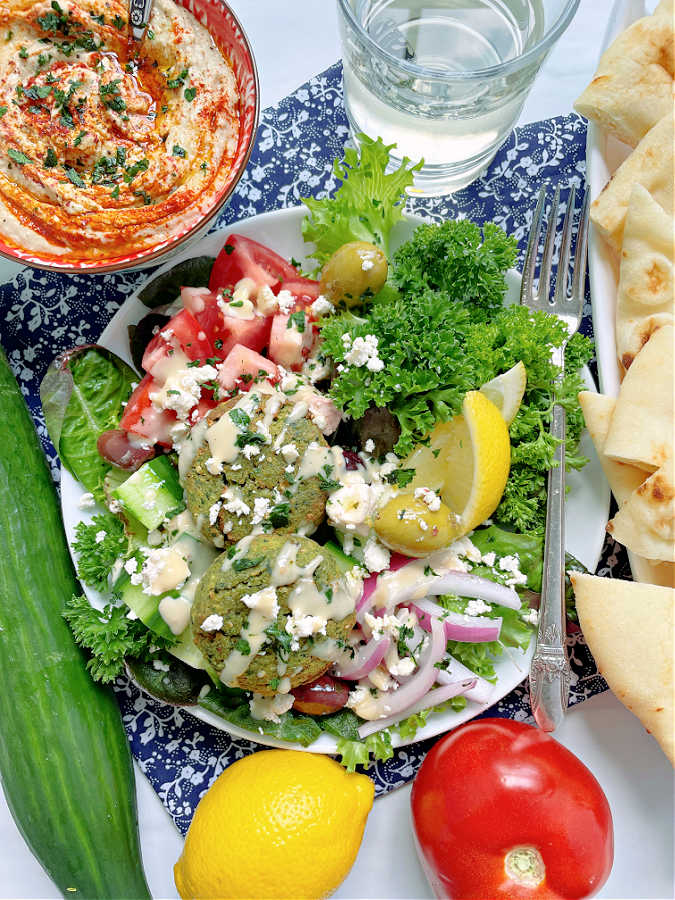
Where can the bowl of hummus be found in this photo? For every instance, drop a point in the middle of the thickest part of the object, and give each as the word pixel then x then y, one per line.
pixel 114 152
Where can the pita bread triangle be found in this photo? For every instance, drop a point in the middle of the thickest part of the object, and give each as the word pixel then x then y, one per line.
pixel 646 295
pixel 629 630
pixel 633 86
pixel 646 521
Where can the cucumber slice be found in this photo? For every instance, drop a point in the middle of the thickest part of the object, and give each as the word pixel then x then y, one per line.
pixel 146 606
pixel 132 527
pixel 344 562
pixel 152 494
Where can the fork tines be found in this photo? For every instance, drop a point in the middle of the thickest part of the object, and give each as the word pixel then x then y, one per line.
pixel 541 297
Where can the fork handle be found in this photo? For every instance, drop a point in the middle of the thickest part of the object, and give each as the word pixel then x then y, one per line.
pixel 550 669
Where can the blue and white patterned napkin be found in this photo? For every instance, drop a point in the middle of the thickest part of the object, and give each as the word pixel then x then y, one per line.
pixel 297 142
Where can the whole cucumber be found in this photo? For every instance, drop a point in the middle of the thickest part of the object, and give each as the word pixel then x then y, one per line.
pixel 65 763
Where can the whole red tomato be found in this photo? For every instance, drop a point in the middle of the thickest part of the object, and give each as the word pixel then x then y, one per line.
pixel 502 810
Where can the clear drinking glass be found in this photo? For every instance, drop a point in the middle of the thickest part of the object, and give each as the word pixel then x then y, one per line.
pixel 445 80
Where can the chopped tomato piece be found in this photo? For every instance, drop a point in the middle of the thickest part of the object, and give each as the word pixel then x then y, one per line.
pixel 182 331
pixel 305 291
pixel 242 257
pixel 290 347
pixel 242 366
pixel 141 418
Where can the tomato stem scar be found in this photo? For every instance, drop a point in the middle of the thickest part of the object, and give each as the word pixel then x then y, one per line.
pixel 525 866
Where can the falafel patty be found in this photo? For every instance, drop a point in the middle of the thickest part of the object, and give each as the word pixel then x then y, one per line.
pixel 248 572
pixel 260 487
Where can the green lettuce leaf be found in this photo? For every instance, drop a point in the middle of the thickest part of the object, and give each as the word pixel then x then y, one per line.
pixel 82 395
pixel 292 726
pixel 367 204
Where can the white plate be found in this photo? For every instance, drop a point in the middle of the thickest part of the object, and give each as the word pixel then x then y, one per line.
pixel 587 502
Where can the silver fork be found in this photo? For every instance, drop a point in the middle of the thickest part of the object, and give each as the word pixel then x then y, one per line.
pixel 550 668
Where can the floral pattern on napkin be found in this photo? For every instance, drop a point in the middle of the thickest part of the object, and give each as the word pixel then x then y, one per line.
pixel 297 142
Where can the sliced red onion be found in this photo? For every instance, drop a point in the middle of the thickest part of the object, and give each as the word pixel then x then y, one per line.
pixel 458 627
pixel 393 703
pixel 405 589
pixel 433 698
pixel 366 658
pixel 396 562
pixel 122 450
pixel 455 671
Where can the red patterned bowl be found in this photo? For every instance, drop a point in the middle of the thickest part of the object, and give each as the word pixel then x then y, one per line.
pixel 228 33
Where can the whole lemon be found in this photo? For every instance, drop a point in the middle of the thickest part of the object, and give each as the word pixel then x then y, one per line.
pixel 278 823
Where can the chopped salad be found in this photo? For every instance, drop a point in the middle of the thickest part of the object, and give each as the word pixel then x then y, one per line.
pixel 321 508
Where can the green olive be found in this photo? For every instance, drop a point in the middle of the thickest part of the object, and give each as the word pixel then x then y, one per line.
pixel 354 272
pixel 407 524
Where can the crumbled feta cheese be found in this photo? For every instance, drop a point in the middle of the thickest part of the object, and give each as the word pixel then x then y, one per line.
pixel 369 445
pixel 464 547
pixel 214 622
pixel 214 512
pixel 227 527
pixel 381 679
pixel 375 556
pixel 131 565
pixel 511 564
pixel 531 616
pixel 383 625
pixel 160 666
pixel 182 390
pixel 286 301
pixel 261 508
pixel 100 536
pixel 322 306
pixel 204 691
pixel 87 501
pixel 489 558
pixel 290 452
pixel 431 498
pixel 250 450
pixel 364 352
pixel 367 264
pixel 214 466
pixel 178 433
pixel 402 667
pixel 477 607
pixel 233 503
pixel 265 601
pixel 299 626
pixel 290 469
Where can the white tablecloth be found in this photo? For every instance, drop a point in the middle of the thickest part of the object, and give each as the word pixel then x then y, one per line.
pixel 293 41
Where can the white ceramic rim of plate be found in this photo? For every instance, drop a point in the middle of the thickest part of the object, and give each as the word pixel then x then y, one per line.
pixel 273 228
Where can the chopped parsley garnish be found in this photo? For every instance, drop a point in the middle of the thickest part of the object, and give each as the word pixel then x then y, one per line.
pixel 115 192
pixel 178 81
pixel 178 151
pixel 50 159
pixel 151 34
pixel 121 156
pixel 297 319
pixel 100 18
pixel 249 437
pixel 3 110
pixel 243 647
pixel 57 20
pixel 18 156
pixel 190 94
pixel 246 562
pixel 38 91
pixel 400 477
pixel 111 97
pixel 132 171
pixel 147 201
pixel 218 343
pixel 74 177
pixel 326 483
pixel 405 632
pixel 78 139
pixel 43 59
pixel 23 53
pixel 280 515
pixel 241 419
pixel 280 637
pixel 119 22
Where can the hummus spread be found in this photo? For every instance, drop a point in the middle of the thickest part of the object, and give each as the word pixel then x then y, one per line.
pixel 108 147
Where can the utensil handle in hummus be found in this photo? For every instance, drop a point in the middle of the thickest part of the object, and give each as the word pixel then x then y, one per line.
pixel 139 16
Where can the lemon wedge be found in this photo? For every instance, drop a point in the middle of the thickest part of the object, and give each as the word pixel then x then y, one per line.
pixel 467 460
pixel 476 457
pixel 506 391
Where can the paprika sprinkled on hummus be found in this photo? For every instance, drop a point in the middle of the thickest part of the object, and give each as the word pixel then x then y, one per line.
pixel 107 146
